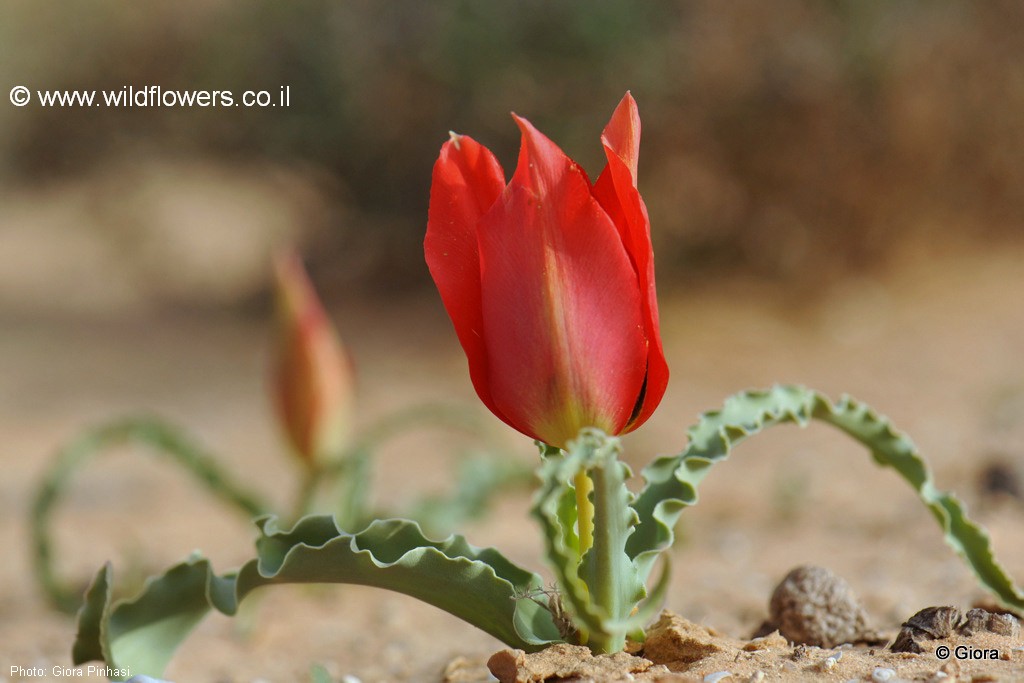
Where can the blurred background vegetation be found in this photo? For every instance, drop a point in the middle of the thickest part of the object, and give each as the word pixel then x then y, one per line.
pixel 800 141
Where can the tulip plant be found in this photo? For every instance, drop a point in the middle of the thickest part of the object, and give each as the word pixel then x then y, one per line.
pixel 549 282
pixel 312 389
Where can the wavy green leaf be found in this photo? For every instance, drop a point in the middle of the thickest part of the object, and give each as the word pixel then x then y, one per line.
pixel 672 481
pixel 156 435
pixel 479 480
pixel 477 585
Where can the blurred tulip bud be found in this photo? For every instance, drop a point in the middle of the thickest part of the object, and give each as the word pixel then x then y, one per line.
pixel 313 387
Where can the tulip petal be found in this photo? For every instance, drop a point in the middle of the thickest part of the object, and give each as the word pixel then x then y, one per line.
pixel 467 180
pixel 561 302
pixel 617 193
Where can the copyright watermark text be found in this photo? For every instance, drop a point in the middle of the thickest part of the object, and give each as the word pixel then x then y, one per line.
pixel 150 96
pixel 944 652
pixel 58 671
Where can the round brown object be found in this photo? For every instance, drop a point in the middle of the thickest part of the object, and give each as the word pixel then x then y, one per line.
pixel 813 606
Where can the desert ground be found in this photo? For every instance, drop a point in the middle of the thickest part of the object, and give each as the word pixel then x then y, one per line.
pixel 935 343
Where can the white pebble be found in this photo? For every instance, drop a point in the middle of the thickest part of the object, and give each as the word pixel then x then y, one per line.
pixel 756 677
pixel 831 661
pixel 717 676
pixel 349 678
pixel 881 675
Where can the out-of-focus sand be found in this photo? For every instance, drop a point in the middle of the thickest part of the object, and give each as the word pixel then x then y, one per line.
pixel 936 345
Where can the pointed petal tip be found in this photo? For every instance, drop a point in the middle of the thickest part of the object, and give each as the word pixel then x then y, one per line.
pixel 522 122
pixel 527 129
pixel 621 136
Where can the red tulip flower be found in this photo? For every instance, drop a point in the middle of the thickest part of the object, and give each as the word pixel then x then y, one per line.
pixel 312 376
pixel 549 281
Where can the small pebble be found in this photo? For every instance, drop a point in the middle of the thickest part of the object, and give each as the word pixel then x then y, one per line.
pixel 1003 624
pixel 349 678
pixel 717 676
pixel 833 659
pixel 756 677
pixel 881 674
pixel 814 606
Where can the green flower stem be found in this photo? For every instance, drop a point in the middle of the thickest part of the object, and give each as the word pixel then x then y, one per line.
pixel 158 436
pixel 602 583
pixel 612 580
pixel 598 586
pixel 304 501
pixel 353 508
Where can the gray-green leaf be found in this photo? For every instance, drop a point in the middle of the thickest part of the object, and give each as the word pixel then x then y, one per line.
pixel 672 481
pixel 477 585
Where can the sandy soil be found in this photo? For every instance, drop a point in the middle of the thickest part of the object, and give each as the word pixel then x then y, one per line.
pixel 936 345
